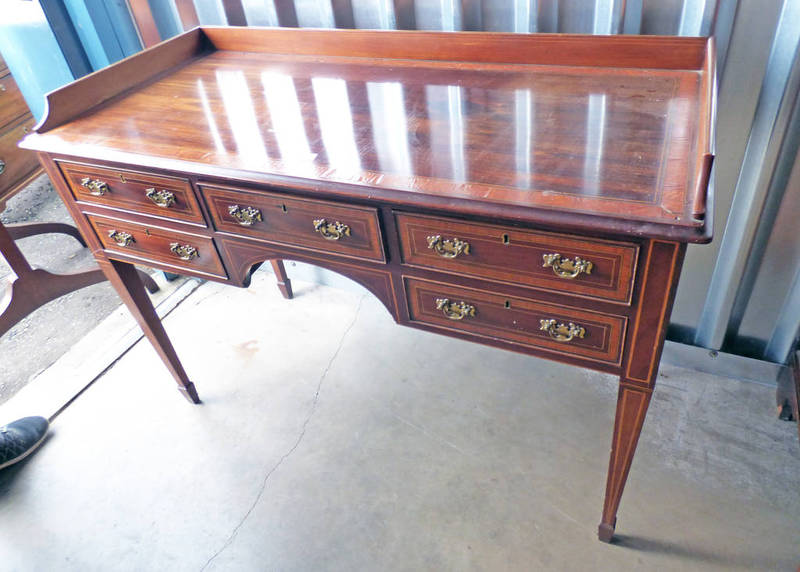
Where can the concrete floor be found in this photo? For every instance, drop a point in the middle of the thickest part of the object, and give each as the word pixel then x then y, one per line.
pixel 331 439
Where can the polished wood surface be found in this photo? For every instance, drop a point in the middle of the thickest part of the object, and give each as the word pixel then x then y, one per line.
pixel 129 189
pixel 12 104
pixel 625 143
pixel 152 245
pixel 517 319
pixel 516 256
pixel 532 193
pixel 27 288
pixel 19 166
pixel 287 220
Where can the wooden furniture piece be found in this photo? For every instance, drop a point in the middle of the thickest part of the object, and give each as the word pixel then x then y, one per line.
pixel 31 287
pixel 533 193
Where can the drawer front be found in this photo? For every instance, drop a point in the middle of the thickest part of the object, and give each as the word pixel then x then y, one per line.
pixel 559 329
pixel 12 104
pixel 15 163
pixel 159 245
pixel 169 197
pixel 321 226
pixel 563 263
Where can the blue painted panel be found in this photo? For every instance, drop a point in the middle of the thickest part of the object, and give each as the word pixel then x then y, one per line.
pixel 114 26
pixel 166 18
pixel 87 33
pixel 31 52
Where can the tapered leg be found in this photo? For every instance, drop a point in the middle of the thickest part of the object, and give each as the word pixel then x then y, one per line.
pixel 661 263
pixel 632 403
pixel 126 282
pixel 284 284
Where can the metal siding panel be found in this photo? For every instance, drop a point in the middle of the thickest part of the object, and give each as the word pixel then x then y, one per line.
pixel 210 12
pixel 166 16
pixel 314 13
pixel 661 16
pixel 114 26
pixel 67 37
pixel 89 38
pixel 787 329
pixel 774 251
pixel 766 136
pixel 438 15
pixel 739 91
pixel 632 22
pixel 374 14
pixel 260 12
pixel 577 16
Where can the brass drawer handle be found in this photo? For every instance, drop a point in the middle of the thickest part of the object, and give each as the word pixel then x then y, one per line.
pixel 162 198
pixel 96 187
pixel 562 332
pixel 455 310
pixel 331 230
pixel 566 268
pixel 184 251
pixel 123 239
pixel 245 216
pixel 449 248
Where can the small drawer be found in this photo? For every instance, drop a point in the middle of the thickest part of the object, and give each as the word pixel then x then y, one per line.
pixel 12 104
pixel 593 268
pixel 320 226
pixel 159 195
pixel 159 246
pixel 15 163
pixel 554 328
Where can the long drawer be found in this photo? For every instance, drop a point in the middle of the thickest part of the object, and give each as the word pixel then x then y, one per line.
pixel 12 104
pixel 170 197
pixel 527 322
pixel 158 246
pixel 15 163
pixel 595 268
pixel 321 226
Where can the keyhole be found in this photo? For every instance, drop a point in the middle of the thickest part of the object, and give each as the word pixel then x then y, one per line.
pixel 122 178
pixel 283 208
pixel 505 239
pixel 507 304
pixel 147 232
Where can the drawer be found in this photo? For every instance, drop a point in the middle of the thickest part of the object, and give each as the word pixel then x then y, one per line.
pixel 321 226
pixel 170 197
pixel 159 245
pixel 15 163
pixel 593 268
pixel 12 104
pixel 555 328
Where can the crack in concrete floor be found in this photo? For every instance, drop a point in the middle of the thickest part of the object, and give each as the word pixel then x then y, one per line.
pixel 294 447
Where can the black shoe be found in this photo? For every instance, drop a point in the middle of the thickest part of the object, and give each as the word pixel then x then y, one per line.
pixel 21 438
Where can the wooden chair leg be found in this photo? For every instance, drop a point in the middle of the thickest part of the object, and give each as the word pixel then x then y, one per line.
pixel 284 284
pixel 25 229
pixel 126 282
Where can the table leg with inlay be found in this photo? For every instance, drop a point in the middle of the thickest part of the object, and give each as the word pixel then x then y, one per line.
pixel 129 286
pixel 645 340
pixel 284 284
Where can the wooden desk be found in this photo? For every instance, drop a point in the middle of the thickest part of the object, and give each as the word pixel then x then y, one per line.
pixel 534 193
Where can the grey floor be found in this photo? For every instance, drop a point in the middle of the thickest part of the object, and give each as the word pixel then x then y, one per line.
pixel 332 439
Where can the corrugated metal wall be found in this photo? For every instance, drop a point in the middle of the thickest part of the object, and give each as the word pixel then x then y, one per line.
pixel 741 294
